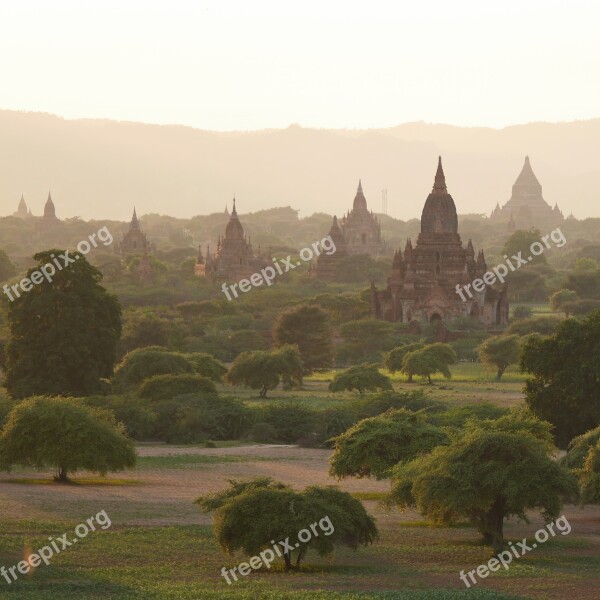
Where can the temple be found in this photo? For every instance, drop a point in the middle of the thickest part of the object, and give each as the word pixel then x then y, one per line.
pixel 361 229
pixel 527 207
pixel 327 264
pixel 423 282
pixel 234 258
pixel 135 242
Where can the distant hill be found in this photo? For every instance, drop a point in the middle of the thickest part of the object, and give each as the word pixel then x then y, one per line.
pixel 100 169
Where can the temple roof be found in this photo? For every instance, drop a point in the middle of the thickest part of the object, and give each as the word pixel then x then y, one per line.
pixel 360 202
pixel 439 213
pixel 49 210
pixel 234 229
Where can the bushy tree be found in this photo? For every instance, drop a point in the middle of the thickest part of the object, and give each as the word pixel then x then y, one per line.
pixel 364 340
pixel 560 300
pixel 307 327
pixel 490 471
pixel 395 357
pixel 143 363
pixel 589 476
pixel 579 448
pixel 374 445
pixel 250 514
pixel 544 325
pixel 564 372
pixel 500 352
pixel 207 365
pixel 165 387
pixel 63 332
pixel 362 378
pixel 520 241
pixel 62 433
pixel 263 371
pixel 434 358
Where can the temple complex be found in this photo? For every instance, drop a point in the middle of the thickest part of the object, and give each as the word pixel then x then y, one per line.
pixel 135 242
pixel 527 207
pixel 423 282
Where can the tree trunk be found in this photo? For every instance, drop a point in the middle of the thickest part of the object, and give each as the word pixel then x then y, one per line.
pixel 263 392
pixel 288 561
pixel 409 378
pixel 62 475
pixel 501 372
pixel 493 526
pixel 429 378
pixel 300 556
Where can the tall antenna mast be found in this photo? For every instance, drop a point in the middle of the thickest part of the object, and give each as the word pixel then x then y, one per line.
pixel 384 201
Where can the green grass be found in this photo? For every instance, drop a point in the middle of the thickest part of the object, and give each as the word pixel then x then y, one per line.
pixel 184 563
pixel 191 461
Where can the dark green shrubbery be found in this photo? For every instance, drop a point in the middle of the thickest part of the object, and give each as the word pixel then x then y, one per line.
pixel 165 387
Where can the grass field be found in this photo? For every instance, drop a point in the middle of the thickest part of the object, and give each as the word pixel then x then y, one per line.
pixel 160 546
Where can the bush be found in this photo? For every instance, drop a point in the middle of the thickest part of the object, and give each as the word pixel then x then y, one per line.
pixel 139 420
pixel 165 387
pixel 290 421
pixel 263 433
pixel 194 419
pixel 543 325
pixel 144 363
pixel 207 365
pixel 362 378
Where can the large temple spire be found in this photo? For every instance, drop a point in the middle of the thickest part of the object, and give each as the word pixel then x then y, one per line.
pixel 439 184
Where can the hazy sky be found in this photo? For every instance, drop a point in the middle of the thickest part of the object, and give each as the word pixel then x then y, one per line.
pixel 229 64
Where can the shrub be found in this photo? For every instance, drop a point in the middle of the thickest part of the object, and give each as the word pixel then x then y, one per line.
pixel 362 378
pixel 164 387
pixel 207 365
pixel 144 363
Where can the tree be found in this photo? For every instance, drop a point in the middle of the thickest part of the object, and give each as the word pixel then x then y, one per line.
pixel 263 371
pixel 165 387
pixel 561 299
pixel 62 433
pixel 589 476
pixel 488 472
pixel 500 352
pixel 579 448
pixel 362 378
pixel 374 445
pixel 364 340
pixel 207 366
pixel 431 359
pixel 63 332
pixel 7 269
pixel 520 241
pixel 249 514
pixel 143 363
pixel 544 325
pixel 564 372
pixel 307 326
pixel 395 357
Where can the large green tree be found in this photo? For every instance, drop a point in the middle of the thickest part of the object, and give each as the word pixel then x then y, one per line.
pixel 64 434
pixel 63 332
pixel 500 352
pixel 250 514
pixel 264 371
pixel 560 300
pixel 564 373
pixel 376 444
pixel 395 357
pixel 490 471
pixel 434 358
pixel 308 327
pixel 362 378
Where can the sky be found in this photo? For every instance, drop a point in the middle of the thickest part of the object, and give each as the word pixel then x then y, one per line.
pixel 238 65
